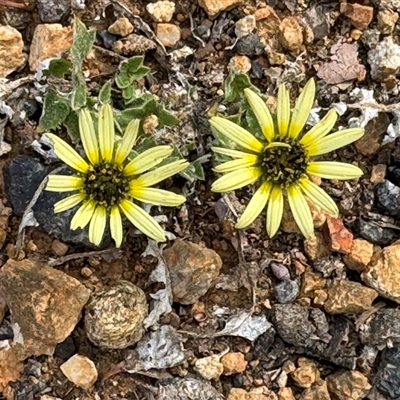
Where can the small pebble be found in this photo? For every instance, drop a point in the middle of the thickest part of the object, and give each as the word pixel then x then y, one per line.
pixel 233 363
pixel 168 34
pixel 86 272
pixel 161 11
pixel 121 26
pixel 65 349
pixel 59 248
pixel 81 371
pixel 286 291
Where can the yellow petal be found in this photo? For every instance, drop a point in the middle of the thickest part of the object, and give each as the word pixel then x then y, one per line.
pixel 334 141
pixel 143 221
pixel 159 174
pixel 333 170
pixel 274 211
pixel 255 206
pixel 321 129
pixel 301 211
pixel 230 152
pixel 302 109
pixel 147 160
pixel 283 110
pixel 68 202
pixel 157 196
pixel 88 136
pixel 240 163
pixel 116 225
pixel 262 114
pixel 83 215
pixel 67 154
pixel 106 132
pixel 318 196
pixel 237 134
pixel 64 183
pixel 128 140
pixel 236 179
pixel 97 225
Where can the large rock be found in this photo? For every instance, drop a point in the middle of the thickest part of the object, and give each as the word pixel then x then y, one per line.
pixel 193 269
pixel 49 40
pixel 11 54
pixel 383 272
pixel 44 302
pixel 22 176
pixel 345 297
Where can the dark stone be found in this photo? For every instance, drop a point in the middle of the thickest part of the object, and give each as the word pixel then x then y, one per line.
pixel 387 379
pixel 263 344
pixel 276 355
pixel 203 32
pixel 286 291
pixel 52 10
pixel 65 349
pixel 384 326
pixel 317 18
pixel 238 381
pixel 257 69
pixel 306 329
pixel 374 233
pixel 6 331
pixel 108 38
pixel 22 176
pixel 393 175
pixel 292 322
pixel 249 45
pixel 387 198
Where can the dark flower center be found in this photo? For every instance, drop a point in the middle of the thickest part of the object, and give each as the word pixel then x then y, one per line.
pixel 284 165
pixel 106 184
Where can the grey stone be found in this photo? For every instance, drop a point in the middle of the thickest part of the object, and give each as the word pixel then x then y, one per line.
pixel 52 10
pixel 287 291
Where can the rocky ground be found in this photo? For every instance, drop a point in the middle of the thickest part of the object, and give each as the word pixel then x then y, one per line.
pixel 215 313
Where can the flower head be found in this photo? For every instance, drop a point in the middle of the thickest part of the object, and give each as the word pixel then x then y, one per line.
pixel 282 161
pixel 107 182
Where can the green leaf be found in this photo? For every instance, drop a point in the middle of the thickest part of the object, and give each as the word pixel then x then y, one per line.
pixel 58 68
pixel 105 93
pixel 133 64
pixel 141 111
pixel 82 44
pixel 234 84
pixel 128 93
pixel 72 125
pixel 55 109
pixel 122 80
pixel 78 98
pixel 140 73
pixel 165 118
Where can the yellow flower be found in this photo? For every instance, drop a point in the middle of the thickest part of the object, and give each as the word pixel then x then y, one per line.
pixel 106 183
pixel 282 161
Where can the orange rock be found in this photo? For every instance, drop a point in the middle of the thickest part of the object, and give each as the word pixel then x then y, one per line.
pixel 10 367
pixel 48 41
pixel 234 363
pixel 11 50
pixel 345 297
pixel 340 239
pixel 360 255
pixel 306 374
pixel 359 15
pixel 291 34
